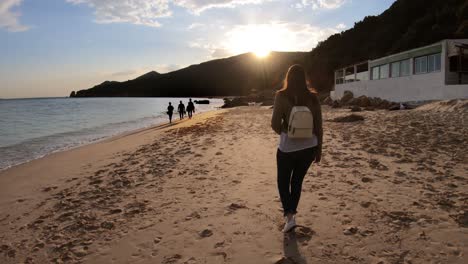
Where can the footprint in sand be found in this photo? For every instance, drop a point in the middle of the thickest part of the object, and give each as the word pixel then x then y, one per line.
pixel 172 259
pixel 205 233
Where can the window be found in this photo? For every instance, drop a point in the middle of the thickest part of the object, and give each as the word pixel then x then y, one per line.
pixel 375 73
pixel 420 65
pixel 433 62
pixel 458 64
pixel 384 71
pixel 395 69
pixel 405 68
pixel 362 72
pixel 339 77
pixel 349 77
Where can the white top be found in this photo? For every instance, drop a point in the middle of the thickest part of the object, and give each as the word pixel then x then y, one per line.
pixel 287 144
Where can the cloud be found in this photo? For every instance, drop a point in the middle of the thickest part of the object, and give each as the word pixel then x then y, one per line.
pixel 341 26
pixel 138 12
pixel 325 4
pixel 195 26
pixel 148 12
pixel 198 6
pixel 273 36
pixel 9 19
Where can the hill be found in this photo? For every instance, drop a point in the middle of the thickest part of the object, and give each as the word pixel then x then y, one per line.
pixel 405 25
pixel 237 75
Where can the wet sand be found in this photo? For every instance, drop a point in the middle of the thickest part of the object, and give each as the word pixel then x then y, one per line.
pixel 390 189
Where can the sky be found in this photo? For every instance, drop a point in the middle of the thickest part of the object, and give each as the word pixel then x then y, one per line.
pixel 50 47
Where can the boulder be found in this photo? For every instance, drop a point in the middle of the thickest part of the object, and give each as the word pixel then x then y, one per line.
pixel 238 101
pixel 335 104
pixel 347 95
pixel 202 101
pixel 363 101
pixel 328 100
pixel 356 109
pixel 352 102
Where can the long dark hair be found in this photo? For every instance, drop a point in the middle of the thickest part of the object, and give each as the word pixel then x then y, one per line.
pixel 295 85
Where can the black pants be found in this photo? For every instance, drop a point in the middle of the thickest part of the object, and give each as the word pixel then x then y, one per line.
pixel 292 167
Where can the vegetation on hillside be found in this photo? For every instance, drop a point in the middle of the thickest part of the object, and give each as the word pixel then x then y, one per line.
pixel 405 25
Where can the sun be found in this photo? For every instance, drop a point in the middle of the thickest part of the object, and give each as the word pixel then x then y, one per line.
pixel 258 39
pixel 261 53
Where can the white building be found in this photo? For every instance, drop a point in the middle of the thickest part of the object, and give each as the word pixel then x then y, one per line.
pixel 435 72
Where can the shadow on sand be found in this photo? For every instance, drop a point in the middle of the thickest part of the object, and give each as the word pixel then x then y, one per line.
pixel 292 255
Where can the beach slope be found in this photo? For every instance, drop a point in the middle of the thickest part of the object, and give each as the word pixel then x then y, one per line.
pixel 390 189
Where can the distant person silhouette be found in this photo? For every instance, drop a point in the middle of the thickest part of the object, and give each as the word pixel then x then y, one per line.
pixel 190 108
pixel 300 142
pixel 181 109
pixel 170 111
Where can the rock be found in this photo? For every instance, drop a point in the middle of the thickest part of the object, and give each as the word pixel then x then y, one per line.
pixel 348 118
pixel 328 100
pixel 157 240
pixel 350 230
pixel 363 101
pixel 347 96
pixel 394 107
pixel 356 109
pixel 202 101
pixel 238 101
pixel 206 233
pixel 335 104
pixel 72 94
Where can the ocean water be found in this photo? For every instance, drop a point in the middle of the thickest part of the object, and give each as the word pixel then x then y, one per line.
pixel 32 128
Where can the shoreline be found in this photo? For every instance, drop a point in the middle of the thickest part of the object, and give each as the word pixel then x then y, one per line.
pixel 119 134
pixel 129 140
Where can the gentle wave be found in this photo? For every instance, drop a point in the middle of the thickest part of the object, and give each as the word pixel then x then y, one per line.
pixel 30 148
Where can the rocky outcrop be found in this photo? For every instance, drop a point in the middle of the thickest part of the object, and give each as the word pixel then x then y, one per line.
pixel 361 103
pixel 244 101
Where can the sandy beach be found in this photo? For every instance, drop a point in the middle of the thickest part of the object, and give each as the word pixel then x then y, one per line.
pixel 390 189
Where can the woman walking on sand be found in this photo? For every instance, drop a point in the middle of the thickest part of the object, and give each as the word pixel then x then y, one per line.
pixel 297 118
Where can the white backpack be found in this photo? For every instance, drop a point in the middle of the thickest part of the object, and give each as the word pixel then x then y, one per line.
pixel 301 122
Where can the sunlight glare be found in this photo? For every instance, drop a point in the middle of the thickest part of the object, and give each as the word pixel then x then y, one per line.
pixel 258 39
pixel 261 53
